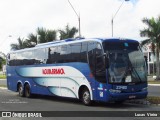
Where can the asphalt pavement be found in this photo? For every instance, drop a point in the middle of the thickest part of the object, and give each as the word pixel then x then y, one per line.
pixel 3 82
pixel 10 101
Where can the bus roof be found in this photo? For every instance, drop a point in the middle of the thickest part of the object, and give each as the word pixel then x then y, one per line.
pixel 71 40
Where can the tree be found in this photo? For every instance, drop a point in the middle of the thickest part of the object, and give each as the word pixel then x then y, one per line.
pixel 68 32
pixel 46 35
pixel 2 62
pixel 20 45
pixel 152 32
pixel 32 40
pixel 42 35
pixel 2 59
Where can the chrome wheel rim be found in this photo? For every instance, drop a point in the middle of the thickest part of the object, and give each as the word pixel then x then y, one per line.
pixel 86 97
pixel 20 91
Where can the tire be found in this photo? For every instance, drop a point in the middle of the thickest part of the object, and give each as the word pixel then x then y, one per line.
pixel 119 102
pixel 20 90
pixel 86 98
pixel 27 91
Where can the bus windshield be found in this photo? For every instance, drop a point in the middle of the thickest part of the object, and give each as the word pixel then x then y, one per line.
pixel 126 63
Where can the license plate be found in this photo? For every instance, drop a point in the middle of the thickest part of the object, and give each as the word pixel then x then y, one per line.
pixel 131 97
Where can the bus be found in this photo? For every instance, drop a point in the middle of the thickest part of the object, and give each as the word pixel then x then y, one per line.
pixel 97 69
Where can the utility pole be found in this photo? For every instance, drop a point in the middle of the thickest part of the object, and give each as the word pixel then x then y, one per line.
pixel 116 14
pixel 79 21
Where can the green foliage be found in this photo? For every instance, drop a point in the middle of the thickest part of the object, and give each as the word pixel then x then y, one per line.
pixel 68 32
pixel 20 45
pixel 2 76
pixel 46 35
pixel 153 99
pixel 152 32
pixel 2 62
pixel 43 35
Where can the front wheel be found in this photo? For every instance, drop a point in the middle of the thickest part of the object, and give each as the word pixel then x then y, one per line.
pixel 119 102
pixel 27 91
pixel 86 99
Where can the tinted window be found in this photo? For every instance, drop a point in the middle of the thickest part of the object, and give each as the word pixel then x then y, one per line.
pixel 12 61
pixel 75 52
pixel 96 61
pixel 64 53
pixel 91 56
pixel 120 45
pixel 25 58
pixel 52 51
pixel 57 55
pixel 40 56
pixel 100 64
pixel 84 52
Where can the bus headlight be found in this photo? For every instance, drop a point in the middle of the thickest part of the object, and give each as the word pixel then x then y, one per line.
pixel 114 91
pixel 145 89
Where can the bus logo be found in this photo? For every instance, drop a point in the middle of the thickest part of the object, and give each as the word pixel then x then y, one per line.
pixel 53 71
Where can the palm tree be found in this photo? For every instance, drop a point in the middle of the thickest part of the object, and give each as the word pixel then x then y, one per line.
pixel 68 32
pixel 46 35
pixel 2 59
pixel 32 40
pixel 41 36
pixel 20 45
pixel 51 35
pixel 152 32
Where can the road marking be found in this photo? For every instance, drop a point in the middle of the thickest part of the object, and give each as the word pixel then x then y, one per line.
pixel 154 84
pixel 4 88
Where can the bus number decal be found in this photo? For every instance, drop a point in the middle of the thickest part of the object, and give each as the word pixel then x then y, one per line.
pixel 121 87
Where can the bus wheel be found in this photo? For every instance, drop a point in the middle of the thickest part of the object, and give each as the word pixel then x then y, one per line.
pixel 86 99
pixel 27 91
pixel 119 102
pixel 20 90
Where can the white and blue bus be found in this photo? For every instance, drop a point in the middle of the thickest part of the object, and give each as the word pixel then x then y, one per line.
pixel 108 70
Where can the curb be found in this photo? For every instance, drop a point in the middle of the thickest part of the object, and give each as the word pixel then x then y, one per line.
pixel 154 84
pixel 141 102
pixel 4 88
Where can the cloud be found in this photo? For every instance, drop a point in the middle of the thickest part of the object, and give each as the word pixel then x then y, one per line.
pixel 21 17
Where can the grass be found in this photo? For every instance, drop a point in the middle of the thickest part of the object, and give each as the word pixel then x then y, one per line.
pixel 153 99
pixel 2 76
pixel 3 86
pixel 153 82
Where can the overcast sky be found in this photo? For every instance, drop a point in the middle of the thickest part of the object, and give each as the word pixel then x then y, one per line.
pixel 21 17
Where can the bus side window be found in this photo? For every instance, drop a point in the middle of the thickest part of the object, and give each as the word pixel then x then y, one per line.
pixel 91 56
pixel 100 64
pixel 84 52
pixel 58 55
pixel 63 54
pixel 69 57
pixel 40 56
pixel 52 55
pixel 12 61
pixel 75 54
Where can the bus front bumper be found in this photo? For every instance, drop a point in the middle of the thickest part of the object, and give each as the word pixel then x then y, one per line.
pixel 127 96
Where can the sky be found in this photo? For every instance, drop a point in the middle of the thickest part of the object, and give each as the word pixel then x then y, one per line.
pixel 18 18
